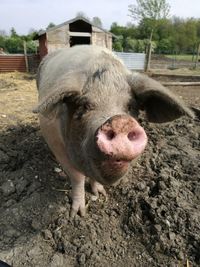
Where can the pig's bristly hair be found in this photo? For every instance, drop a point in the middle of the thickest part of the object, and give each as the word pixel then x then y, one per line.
pixel 103 68
pixel 67 86
pixel 49 103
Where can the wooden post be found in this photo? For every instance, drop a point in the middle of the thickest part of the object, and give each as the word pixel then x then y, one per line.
pixel 193 53
pixel 148 56
pixel 197 56
pixel 25 56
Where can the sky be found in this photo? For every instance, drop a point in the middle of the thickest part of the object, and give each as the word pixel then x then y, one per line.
pixel 24 15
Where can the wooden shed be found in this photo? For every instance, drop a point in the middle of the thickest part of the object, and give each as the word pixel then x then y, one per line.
pixel 73 32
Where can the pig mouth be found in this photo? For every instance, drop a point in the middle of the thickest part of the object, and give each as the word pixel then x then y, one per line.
pixel 116 164
pixel 113 169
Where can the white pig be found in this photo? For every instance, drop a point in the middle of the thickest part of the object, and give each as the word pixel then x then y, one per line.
pixel 88 108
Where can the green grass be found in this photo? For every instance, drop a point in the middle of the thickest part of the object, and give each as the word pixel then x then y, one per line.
pixel 180 57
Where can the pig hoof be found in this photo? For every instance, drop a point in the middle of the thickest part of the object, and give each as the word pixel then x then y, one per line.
pixel 77 207
pixel 98 188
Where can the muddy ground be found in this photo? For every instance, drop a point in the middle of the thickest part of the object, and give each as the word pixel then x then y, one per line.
pixel 152 218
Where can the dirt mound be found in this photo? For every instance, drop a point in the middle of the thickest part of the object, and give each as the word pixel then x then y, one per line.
pixel 150 219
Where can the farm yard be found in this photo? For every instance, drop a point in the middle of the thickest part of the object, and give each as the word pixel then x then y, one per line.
pixel 177 63
pixel 151 218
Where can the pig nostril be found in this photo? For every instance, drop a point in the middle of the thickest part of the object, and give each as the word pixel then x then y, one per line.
pixel 110 134
pixel 132 136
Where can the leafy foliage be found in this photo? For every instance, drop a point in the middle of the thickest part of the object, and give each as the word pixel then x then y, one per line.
pixel 97 22
pixel 51 25
pixel 82 14
pixel 14 43
pixel 150 9
pixel 174 35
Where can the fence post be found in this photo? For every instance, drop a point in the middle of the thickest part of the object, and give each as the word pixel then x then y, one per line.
pixel 197 56
pixel 25 56
pixel 148 57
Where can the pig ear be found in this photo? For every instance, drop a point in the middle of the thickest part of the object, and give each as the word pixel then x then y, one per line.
pixel 160 104
pixel 55 91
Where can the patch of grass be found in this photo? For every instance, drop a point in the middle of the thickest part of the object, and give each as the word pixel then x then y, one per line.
pixel 181 57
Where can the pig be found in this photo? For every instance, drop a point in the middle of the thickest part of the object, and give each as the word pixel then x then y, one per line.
pixel 88 108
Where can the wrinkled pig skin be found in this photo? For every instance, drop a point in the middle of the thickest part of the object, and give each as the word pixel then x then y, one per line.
pixel 88 108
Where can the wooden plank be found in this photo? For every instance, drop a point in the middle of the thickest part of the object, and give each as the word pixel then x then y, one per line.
pixel 25 56
pixel 181 83
pixel 80 34
pixel 172 75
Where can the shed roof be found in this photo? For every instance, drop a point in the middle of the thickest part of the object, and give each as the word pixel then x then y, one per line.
pixel 71 21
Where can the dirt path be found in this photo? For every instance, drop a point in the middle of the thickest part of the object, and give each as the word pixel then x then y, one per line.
pixel 150 219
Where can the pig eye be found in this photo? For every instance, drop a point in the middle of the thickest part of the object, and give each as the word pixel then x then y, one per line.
pixel 130 108
pixel 86 107
pixel 82 109
pixel 133 109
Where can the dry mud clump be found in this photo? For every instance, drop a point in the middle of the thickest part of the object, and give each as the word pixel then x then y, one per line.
pixel 150 219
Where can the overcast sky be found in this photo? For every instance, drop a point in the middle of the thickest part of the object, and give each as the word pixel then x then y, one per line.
pixel 26 14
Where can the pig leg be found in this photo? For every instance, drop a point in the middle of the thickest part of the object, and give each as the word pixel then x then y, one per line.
pixel 78 194
pixel 97 188
pixel 51 130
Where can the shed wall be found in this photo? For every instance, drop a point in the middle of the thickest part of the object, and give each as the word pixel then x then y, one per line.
pixel 58 38
pixel 102 39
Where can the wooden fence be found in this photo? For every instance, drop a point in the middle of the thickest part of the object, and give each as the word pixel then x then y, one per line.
pixel 11 62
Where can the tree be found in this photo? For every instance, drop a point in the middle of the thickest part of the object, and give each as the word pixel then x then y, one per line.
pixel 165 46
pixel 152 9
pixel 13 32
pixel 31 31
pixel 50 25
pixel 3 33
pixel 149 11
pixel 172 35
pixel 97 22
pixel 82 14
pixel 131 45
pixel 123 33
pixel 117 46
pixel 14 45
pixel 2 42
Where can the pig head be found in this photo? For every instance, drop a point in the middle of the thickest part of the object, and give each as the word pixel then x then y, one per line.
pixel 89 104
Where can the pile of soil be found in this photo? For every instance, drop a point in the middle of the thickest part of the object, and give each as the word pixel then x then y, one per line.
pixel 151 218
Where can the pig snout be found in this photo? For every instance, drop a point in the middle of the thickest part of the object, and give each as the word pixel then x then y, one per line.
pixel 120 139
